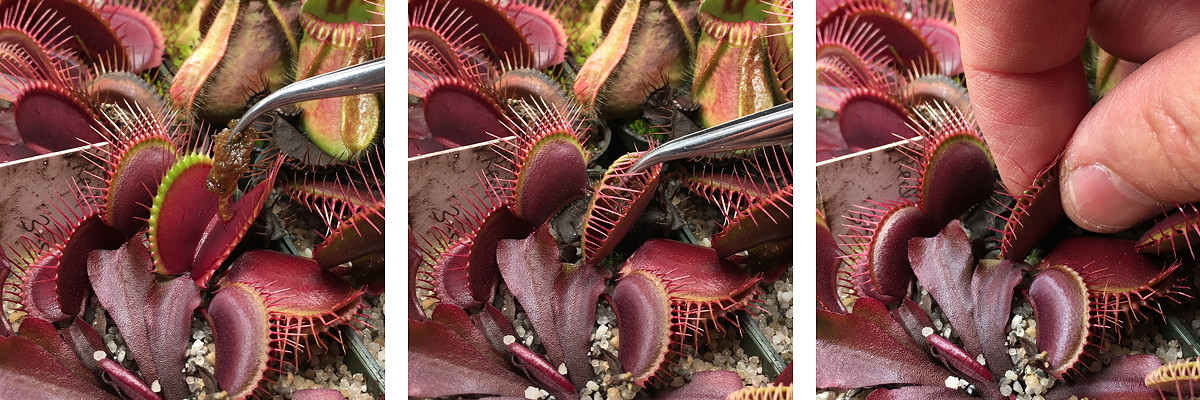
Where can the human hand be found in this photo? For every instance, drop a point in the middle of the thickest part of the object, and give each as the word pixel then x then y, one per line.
pixel 1137 149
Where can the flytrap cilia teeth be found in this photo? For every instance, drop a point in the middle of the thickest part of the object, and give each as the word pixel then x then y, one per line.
pixel 142 152
pixel 878 249
pixel 547 163
pixel 766 219
pixel 492 29
pixel 269 309
pixel 1174 233
pixel 1179 377
pixel 542 29
pixel 615 206
pixel 1114 283
pixel 357 231
pixel 954 166
pixel 870 113
pixel 531 86
pixel 849 50
pixel 560 210
pixel 829 268
pixel 34 38
pixel 923 82
pixel 140 35
pixel 126 89
pixel 1121 281
pixel 438 38
pixel 187 232
pixel 1060 303
pixel 97 39
pixel 935 21
pixel 459 108
pixel 133 243
pixel 485 222
pixel 54 280
pixel 671 294
pixel 780 45
pixel 894 23
pixel 1033 214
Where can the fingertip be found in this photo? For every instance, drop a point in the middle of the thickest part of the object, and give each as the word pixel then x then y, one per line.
pixel 1100 201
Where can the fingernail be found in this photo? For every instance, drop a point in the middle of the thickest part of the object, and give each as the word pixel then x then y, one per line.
pixel 1100 201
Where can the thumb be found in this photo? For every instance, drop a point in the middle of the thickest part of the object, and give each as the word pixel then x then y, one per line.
pixel 1138 149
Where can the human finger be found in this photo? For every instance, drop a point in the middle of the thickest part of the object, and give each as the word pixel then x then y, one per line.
pixel 1135 30
pixel 1028 90
pixel 1139 147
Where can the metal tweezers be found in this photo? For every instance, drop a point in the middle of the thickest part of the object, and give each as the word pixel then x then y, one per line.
pixel 772 126
pixel 363 78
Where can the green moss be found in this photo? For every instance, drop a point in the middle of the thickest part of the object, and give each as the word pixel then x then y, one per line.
pixel 642 127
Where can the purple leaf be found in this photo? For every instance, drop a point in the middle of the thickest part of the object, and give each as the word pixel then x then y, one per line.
pixel 706 385
pixel 44 334
pixel 122 279
pixel 27 371
pixel 914 319
pixel 576 293
pixel 919 393
pixel 542 372
pixel 959 359
pixel 317 394
pixel 529 267
pixel 943 264
pixel 1123 379
pixel 992 288
pixel 456 320
pixel 442 363
pixel 85 341
pixel 91 234
pixel 169 324
pixel 127 383
pixel 483 273
pixel 495 326
pixel 868 348
pixel 564 319
pixel 976 300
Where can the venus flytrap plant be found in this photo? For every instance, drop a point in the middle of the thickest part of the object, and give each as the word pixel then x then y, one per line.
pixel 152 233
pixel 670 297
pixel 1084 293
